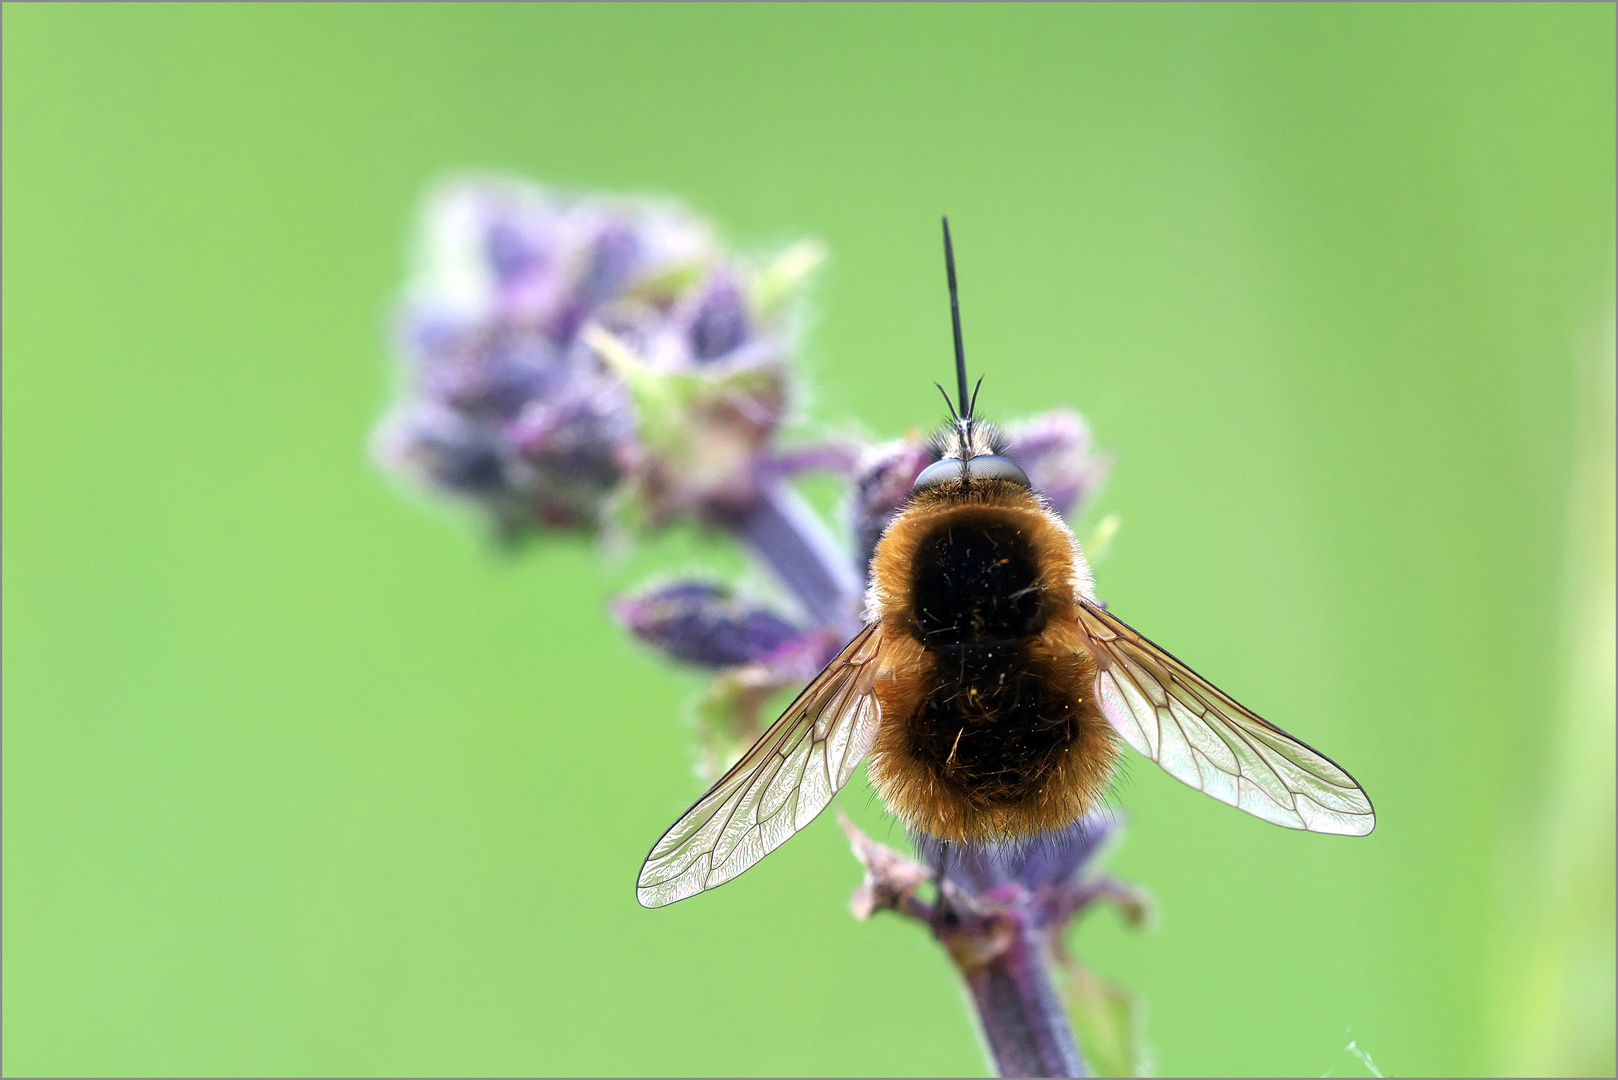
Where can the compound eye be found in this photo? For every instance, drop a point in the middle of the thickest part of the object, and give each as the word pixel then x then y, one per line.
pixel 939 472
pixel 995 467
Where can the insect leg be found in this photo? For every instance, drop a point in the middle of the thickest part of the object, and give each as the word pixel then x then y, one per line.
pixel 943 914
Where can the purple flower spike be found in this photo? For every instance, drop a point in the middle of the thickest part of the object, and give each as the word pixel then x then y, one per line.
pixel 597 364
pixel 703 624
pixel 515 282
pixel 1055 450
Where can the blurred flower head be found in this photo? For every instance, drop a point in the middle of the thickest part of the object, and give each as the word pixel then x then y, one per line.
pixel 1056 451
pixel 561 356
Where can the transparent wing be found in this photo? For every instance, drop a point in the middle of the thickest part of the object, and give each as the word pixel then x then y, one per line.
pixel 777 787
pixel 1199 735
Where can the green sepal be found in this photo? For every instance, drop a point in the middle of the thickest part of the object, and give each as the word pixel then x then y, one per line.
pixel 1109 1020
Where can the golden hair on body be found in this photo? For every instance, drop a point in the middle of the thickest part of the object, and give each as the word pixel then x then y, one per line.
pixel 1017 762
pixel 990 690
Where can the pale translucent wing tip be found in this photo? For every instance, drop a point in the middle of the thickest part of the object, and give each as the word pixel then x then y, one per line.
pixel 1204 738
pixel 783 781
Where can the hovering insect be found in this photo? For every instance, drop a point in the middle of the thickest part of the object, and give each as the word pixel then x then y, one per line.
pixel 989 688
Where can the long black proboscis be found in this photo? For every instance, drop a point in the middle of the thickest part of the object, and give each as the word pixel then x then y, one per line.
pixel 955 319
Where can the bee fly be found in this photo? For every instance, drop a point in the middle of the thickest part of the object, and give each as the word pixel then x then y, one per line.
pixel 989 688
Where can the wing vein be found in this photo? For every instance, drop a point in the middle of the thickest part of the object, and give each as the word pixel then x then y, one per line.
pixel 1272 775
pixel 770 792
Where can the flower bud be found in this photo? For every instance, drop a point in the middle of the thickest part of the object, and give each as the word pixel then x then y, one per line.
pixel 720 325
pixel 445 451
pixel 1054 449
pixel 703 624
pixel 882 481
pixel 1053 859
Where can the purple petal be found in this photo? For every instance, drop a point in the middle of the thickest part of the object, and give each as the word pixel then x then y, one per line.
pixel 514 249
pixel 430 336
pixel 721 324
pixel 703 624
pixel 613 258
pixel 882 481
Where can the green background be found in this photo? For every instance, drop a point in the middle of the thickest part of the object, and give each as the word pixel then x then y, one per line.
pixel 301 778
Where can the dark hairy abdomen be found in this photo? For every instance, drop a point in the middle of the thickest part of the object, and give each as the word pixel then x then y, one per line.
pixel 975 580
pixel 995 719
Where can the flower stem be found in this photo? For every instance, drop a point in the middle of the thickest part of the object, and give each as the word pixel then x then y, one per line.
pixel 999 941
pixel 784 533
pixel 1019 1012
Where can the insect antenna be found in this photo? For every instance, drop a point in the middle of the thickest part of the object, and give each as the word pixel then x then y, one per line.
pixel 953 415
pixel 965 413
